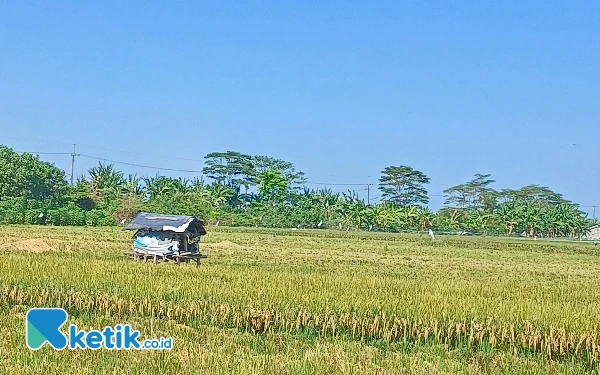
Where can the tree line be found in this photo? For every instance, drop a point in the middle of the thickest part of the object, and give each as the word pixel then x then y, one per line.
pixel 245 190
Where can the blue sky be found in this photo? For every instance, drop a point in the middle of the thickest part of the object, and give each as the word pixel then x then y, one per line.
pixel 341 89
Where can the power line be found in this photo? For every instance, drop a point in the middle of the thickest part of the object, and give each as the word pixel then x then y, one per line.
pixel 194 171
pixel 139 165
pixel 73 154
pixel 44 153
pixel 148 155
pixel 335 184
pixel 99 148
pixel 144 155
pixel 333 175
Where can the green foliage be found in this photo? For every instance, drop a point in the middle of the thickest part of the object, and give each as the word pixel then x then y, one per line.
pixel 473 194
pixel 261 164
pixel 532 193
pixel 272 185
pixel 179 204
pixel 28 177
pixel 160 186
pixel 229 168
pixel 404 185
pixel 20 210
pixel 106 196
pixel 354 210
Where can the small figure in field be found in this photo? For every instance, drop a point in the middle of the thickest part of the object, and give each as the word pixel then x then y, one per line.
pixel 431 234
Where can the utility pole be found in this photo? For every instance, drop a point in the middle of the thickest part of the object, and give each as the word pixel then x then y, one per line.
pixel 369 193
pixel 73 165
pixel 594 215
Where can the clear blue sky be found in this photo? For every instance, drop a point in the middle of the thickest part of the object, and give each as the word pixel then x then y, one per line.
pixel 341 89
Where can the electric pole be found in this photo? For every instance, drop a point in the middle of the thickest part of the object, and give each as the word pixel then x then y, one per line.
pixel 369 194
pixel 73 165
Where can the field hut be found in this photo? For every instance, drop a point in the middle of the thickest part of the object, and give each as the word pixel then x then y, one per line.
pixel 166 237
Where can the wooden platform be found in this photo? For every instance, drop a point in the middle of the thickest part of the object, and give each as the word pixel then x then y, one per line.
pixel 175 258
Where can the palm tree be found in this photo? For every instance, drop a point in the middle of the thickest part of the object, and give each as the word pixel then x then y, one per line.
pixel 105 180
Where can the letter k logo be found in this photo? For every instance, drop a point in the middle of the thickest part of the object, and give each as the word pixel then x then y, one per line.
pixel 43 325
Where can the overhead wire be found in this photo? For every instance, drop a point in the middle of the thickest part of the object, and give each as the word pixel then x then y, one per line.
pixel 140 165
pixel 44 153
pixel 196 171
pixel 102 148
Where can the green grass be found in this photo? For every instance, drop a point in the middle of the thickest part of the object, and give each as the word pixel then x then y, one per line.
pixel 312 302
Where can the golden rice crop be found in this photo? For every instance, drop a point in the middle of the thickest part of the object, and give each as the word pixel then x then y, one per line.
pixel 510 297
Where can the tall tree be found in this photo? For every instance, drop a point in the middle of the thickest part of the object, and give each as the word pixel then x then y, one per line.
pixel 403 185
pixel 533 193
pixel 474 194
pixel 261 164
pixel 229 168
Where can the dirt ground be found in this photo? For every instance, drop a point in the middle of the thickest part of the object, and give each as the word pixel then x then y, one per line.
pixel 33 245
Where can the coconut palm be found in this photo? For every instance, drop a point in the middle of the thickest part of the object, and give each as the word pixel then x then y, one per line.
pixel 105 180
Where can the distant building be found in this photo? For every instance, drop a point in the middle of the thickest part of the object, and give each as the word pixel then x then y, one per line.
pixel 593 233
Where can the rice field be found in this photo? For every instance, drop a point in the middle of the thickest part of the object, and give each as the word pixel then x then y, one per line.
pixel 309 302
